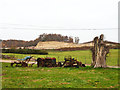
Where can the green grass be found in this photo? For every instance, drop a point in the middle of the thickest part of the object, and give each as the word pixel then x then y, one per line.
pixel 84 56
pixel 19 77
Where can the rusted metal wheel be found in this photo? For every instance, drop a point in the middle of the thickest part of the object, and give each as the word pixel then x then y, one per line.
pixel 23 64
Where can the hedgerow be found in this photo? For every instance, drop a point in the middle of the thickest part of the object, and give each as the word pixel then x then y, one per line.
pixel 25 51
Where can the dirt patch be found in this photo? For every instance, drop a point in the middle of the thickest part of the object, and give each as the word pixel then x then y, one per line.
pixel 64 83
pixel 6 77
pixel 2 74
pixel 26 77
pixel 82 72
pixel 38 80
pixel 27 70
pixel 48 70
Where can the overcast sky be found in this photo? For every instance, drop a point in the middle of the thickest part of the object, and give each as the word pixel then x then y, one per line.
pixel 27 19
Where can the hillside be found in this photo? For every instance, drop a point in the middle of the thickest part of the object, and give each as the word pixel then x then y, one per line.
pixel 59 45
pixel 43 38
pixel 55 45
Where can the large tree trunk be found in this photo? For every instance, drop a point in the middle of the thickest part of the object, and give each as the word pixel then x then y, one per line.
pixel 99 52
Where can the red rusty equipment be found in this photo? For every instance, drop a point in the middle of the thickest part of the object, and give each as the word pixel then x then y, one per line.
pixel 71 62
pixel 46 62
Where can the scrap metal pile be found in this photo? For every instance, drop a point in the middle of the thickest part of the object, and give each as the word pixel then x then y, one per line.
pixel 49 62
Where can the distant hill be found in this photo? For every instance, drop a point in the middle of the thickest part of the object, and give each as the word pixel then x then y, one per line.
pixel 58 45
pixel 42 38
pixel 69 46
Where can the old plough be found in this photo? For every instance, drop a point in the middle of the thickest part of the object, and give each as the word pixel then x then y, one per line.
pixel 72 62
pixel 23 62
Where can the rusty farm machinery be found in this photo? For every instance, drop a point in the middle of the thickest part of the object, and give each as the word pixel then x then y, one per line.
pixel 51 62
pixel 48 62
pixel 72 62
pixel 23 62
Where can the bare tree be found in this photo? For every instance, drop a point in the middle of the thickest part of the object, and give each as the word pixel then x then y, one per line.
pixel 99 52
pixel 77 40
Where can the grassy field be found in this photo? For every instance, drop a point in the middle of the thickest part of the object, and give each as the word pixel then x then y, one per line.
pixel 19 77
pixel 84 56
